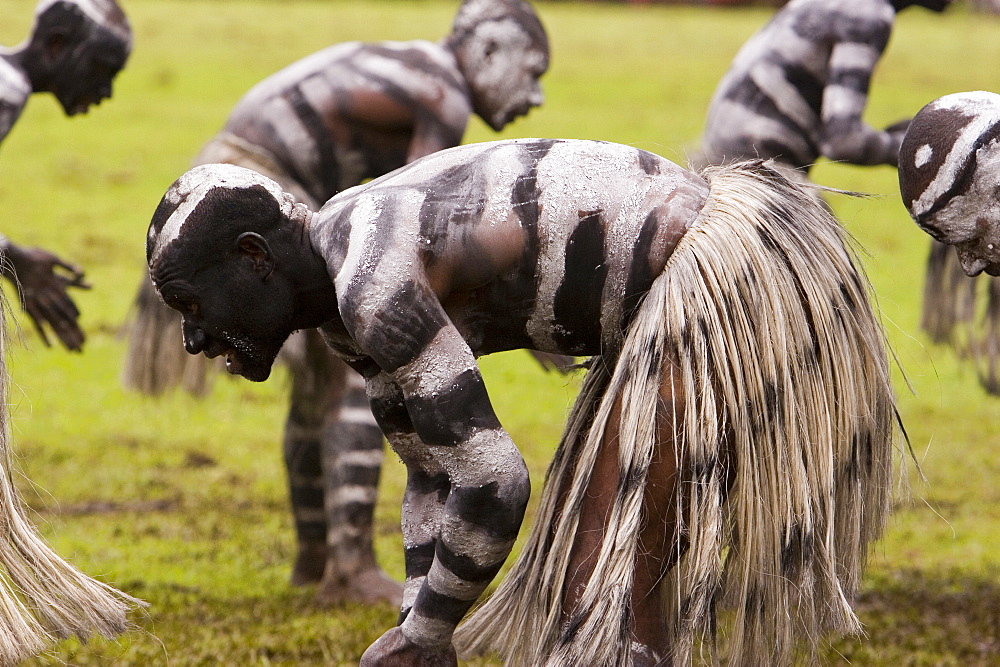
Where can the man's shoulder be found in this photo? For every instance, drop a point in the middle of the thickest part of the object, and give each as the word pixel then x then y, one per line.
pixel 14 84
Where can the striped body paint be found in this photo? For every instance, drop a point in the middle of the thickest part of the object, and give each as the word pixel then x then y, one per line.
pixel 529 243
pixel 797 89
pixel 327 122
pixel 74 51
pixel 465 252
pixel 94 40
pixel 354 111
pixel 739 401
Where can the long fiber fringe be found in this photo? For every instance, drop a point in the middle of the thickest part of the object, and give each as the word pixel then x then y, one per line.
pixel 951 313
pixel 156 360
pixel 43 598
pixel 762 319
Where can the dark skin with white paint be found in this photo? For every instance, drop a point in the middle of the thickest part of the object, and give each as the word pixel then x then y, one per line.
pixel 451 258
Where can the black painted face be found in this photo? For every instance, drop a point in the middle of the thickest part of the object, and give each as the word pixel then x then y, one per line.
pixel 229 309
pixel 83 74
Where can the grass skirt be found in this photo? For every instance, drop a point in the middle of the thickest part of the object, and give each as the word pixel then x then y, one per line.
pixel 762 319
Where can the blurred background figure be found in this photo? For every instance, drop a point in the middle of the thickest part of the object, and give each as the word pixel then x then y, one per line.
pixel 332 120
pixel 798 88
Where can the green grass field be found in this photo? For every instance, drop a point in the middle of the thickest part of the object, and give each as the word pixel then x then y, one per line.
pixel 182 502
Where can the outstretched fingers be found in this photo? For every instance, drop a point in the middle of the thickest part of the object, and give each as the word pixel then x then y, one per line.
pixel 55 308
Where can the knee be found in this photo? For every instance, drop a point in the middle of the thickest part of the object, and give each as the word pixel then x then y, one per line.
pixel 496 507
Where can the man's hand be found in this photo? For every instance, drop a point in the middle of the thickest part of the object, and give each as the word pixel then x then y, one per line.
pixel 393 649
pixel 42 290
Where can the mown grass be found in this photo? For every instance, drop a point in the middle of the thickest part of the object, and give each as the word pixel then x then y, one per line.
pixel 182 502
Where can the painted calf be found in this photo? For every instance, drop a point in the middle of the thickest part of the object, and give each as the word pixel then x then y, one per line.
pixel 739 402
pixel 348 113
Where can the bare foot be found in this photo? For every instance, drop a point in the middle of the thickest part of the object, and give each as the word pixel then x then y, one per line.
pixel 393 649
pixel 309 563
pixel 369 586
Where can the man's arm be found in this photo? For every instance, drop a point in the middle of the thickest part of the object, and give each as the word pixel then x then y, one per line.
pixel 467 484
pixel 844 136
pixel 43 291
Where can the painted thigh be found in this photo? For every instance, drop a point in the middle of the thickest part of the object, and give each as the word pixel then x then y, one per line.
pixel 659 547
pixel 352 454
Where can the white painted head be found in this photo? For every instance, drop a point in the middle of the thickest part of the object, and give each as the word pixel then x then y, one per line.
pixel 201 192
pixel 502 51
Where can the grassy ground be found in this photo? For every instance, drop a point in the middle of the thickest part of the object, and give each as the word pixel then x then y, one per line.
pixel 182 502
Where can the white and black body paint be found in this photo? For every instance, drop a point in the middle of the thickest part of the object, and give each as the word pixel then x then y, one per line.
pixel 798 88
pixel 96 40
pixel 949 168
pixel 355 111
pixel 545 244
pixel 74 51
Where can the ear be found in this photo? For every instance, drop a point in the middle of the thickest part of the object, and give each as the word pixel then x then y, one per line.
pixel 253 246
pixel 490 49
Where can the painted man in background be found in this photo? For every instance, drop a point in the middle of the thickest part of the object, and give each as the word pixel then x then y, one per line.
pixel 75 50
pixel 948 178
pixel 330 121
pixel 740 403
pixel 949 172
pixel 797 89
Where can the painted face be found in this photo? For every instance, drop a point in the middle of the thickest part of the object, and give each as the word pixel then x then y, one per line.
pixel 949 176
pixel 504 65
pixel 226 310
pixel 84 74
pixel 971 221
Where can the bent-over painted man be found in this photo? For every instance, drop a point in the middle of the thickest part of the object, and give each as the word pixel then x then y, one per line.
pixel 75 49
pixel 738 401
pixel 798 88
pixel 948 179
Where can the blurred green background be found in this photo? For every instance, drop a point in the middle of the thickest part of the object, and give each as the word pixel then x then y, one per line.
pixel 182 502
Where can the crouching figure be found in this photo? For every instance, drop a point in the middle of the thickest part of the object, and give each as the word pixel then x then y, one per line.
pixel 949 168
pixel 731 446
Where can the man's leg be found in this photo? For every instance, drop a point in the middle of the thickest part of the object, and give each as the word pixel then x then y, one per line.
pixel 352 454
pixel 317 385
pixel 657 550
